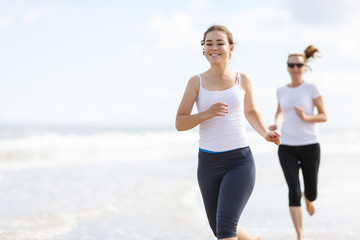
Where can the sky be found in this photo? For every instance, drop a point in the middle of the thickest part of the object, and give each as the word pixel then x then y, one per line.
pixel 127 63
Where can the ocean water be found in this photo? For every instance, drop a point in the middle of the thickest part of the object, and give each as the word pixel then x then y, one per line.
pixel 107 183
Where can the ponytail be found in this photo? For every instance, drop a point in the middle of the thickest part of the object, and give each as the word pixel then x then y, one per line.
pixel 310 52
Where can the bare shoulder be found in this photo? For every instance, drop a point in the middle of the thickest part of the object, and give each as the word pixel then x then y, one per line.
pixel 245 81
pixel 194 82
pixel 244 77
pixel 194 79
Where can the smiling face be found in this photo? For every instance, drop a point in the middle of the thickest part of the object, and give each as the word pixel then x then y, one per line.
pixel 217 48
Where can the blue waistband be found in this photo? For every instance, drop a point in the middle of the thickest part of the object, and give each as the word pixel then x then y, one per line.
pixel 208 151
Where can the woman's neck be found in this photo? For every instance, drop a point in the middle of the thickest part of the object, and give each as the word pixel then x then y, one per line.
pixel 219 72
pixel 296 81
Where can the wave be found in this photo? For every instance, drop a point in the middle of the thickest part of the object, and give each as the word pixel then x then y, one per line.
pixel 34 148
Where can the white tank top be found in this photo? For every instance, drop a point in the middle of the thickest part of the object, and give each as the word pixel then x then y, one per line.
pixel 223 133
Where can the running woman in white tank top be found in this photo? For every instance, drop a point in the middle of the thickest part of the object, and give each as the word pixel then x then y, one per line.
pixel 226 170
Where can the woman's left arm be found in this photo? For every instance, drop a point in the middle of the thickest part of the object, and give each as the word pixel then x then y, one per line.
pixel 319 117
pixel 253 116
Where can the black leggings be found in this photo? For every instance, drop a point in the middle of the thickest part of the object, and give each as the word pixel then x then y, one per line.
pixel 226 181
pixel 306 157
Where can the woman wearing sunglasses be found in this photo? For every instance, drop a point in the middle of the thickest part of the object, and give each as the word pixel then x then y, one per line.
pixel 300 147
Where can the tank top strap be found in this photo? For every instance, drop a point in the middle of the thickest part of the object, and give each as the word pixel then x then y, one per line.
pixel 238 79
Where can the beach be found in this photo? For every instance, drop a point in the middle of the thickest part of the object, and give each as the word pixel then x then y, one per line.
pixel 72 184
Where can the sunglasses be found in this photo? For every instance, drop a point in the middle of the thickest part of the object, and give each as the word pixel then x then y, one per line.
pixel 292 65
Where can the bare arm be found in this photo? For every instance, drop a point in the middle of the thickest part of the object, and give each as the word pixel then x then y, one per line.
pixel 278 119
pixel 319 117
pixel 253 116
pixel 184 119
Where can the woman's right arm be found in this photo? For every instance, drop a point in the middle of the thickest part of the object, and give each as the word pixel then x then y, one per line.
pixel 184 119
pixel 278 116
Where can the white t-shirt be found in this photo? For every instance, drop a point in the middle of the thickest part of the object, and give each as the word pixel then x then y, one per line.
pixel 294 131
pixel 223 133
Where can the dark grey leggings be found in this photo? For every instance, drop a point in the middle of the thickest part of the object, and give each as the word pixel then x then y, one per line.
pixel 226 181
pixel 306 157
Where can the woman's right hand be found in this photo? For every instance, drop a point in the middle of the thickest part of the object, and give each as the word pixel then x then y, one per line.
pixel 273 127
pixel 217 109
pixel 273 137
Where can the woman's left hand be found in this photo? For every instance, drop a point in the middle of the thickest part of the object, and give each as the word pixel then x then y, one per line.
pixel 273 137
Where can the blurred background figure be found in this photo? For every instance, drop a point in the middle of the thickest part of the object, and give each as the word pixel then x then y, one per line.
pixel 300 148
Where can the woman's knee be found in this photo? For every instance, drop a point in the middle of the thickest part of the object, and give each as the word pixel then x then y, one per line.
pixel 311 195
pixel 294 199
